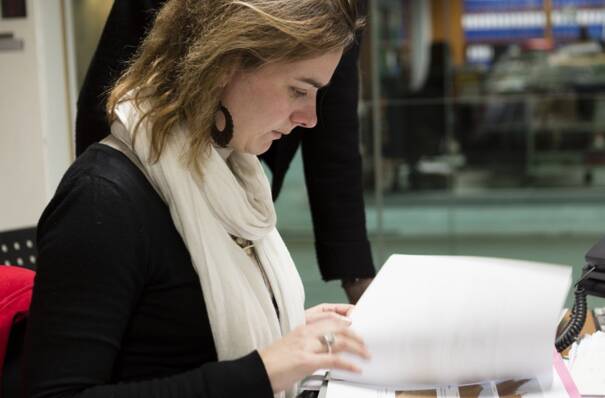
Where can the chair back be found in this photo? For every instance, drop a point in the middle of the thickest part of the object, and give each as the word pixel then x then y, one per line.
pixel 18 247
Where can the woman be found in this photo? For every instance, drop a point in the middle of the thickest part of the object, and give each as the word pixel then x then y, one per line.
pixel 177 283
pixel 329 151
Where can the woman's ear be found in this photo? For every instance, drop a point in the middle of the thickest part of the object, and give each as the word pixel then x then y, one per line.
pixel 224 80
pixel 228 75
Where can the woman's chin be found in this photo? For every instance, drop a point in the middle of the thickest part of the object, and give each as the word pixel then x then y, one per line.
pixel 262 148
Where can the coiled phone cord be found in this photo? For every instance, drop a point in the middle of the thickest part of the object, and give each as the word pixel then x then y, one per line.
pixel 575 324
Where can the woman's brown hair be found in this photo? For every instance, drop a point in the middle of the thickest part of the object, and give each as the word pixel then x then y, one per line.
pixel 195 46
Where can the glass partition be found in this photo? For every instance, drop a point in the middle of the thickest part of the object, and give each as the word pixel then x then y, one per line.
pixel 492 138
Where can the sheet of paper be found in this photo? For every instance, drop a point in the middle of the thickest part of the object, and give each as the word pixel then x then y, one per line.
pixel 452 320
pixel 550 386
pixel 588 364
pixel 342 389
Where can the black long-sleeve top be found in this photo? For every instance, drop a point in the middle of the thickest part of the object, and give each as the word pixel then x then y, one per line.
pixel 330 151
pixel 117 308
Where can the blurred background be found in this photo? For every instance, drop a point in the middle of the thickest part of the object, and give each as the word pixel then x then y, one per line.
pixel 482 126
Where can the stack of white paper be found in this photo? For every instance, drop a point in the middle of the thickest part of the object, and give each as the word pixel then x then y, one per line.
pixel 528 388
pixel 587 364
pixel 448 320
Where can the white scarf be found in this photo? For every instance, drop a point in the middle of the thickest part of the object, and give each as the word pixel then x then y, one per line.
pixel 228 201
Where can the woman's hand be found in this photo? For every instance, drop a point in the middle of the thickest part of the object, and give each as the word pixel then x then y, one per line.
pixel 328 311
pixel 304 350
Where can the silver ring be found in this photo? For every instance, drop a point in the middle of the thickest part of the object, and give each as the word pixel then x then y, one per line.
pixel 328 339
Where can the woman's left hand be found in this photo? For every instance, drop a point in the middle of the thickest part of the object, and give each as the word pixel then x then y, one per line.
pixel 328 311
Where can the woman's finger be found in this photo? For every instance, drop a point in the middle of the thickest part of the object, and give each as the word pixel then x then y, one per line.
pixel 329 324
pixel 347 332
pixel 342 309
pixel 350 311
pixel 322 316
pixel 331 361
pixel 344 343
pixel 344 340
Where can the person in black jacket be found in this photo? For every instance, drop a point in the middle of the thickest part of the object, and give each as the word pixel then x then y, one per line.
pixel 330 151
pixel 160 269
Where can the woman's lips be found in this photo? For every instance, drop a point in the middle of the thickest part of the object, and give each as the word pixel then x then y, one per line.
pixel 276 135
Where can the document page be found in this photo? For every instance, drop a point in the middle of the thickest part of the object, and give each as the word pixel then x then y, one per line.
pixel 452 320
pixel 587 364
pixel 527 388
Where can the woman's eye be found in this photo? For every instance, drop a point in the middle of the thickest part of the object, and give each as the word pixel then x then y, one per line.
pixel 298 93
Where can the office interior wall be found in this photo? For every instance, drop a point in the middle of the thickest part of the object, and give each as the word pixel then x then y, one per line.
pixel 21 146
pixel 57 124
pixel 34 117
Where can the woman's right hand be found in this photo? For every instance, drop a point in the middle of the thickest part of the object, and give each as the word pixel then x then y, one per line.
pixel 303 351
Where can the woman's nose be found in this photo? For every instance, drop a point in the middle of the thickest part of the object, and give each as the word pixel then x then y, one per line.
pixel 306 117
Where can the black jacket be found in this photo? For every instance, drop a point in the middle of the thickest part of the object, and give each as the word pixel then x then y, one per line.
pixel 330 151
pixel 117 308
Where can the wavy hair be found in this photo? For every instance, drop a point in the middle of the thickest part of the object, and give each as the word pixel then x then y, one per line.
pixel 195 46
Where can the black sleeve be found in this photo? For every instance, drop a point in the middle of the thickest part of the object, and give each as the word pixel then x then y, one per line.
pixel 126 25
pixel 91 271
pixel 332 164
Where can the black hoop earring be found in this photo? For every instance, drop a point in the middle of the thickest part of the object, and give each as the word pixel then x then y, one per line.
pixel 223 137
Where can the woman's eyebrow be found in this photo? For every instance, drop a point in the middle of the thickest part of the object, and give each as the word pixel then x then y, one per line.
pixel 313 82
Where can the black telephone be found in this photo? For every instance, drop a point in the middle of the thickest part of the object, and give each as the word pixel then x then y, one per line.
pixel 592 282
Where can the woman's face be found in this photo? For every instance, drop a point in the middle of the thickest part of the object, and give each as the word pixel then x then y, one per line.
pixel 271 101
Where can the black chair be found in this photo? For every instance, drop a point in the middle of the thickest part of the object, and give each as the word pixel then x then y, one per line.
pixel 18 247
